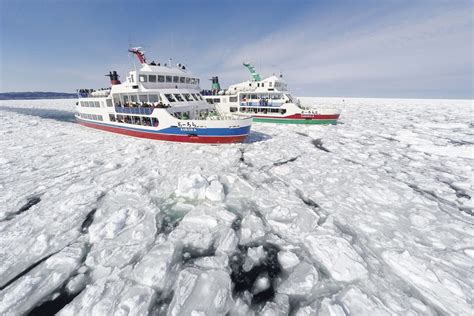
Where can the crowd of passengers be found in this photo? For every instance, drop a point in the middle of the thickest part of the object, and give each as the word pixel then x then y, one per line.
pixel 159 105
pixel 137 120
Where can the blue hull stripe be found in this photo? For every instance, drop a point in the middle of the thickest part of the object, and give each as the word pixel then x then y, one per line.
pixel 245 130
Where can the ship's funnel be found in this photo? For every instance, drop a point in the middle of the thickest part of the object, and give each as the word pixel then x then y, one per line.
pixel 215 84
pixel 113 77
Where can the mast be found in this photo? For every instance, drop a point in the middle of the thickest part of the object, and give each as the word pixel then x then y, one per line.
pixel 251 69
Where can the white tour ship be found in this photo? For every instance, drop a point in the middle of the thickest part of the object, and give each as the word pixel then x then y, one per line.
pixel 266 100
pixel 159 102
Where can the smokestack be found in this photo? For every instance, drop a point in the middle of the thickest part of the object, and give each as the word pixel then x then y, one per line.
pixel 113 77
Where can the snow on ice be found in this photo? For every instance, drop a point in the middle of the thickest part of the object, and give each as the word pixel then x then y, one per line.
pixel 370 216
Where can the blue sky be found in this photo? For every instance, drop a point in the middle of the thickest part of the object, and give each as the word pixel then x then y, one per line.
pixel 364 48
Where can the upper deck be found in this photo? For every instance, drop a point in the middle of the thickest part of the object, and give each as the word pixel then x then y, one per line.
pixel 149 77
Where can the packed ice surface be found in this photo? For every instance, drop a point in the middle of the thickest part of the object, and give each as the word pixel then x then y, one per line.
pixel 372 216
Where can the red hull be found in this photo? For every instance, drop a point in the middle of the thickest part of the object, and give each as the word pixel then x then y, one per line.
pixel 168 137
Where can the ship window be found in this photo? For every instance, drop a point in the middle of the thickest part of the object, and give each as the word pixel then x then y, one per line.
pixel 188 80
pixel 133 98
pixel 179 97
pixel 97 104
pixel 142 78
pixel 197 80
pixel 170 97
pixel 162 78
pixel 182 80
pixel 152 78
pixel 112 117
pixel 143 98
pixel 154 122
pixel 253 96
pixel 232 99
pixel 193 81
pixel 132 79
pixel 169 79
pixel 270 84
pixel 146 121
pixel 153 98
pixel 188 97
pixel 210 101
pixel 175 79
pixel 233 109
pixel 125 98
pixel 258 84
pixel 217 100
pixel 243 97
pixel 109 102
pixel 283 111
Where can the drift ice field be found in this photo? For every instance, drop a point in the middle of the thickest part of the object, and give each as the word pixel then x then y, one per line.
pixel 372 216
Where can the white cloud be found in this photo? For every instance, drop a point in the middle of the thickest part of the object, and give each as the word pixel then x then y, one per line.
pixel 427 41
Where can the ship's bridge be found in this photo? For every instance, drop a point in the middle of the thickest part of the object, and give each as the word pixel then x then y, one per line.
pixel 272 83
pixel 162 77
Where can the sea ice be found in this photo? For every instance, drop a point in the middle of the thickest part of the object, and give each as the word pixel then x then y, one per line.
pixel 376 211
pixel 337 256
pixel 201 292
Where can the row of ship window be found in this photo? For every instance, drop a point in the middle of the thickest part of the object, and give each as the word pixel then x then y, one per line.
pixel 257 110
pixel 90 104
pixel 94 104
pixel 137 120
pixel 168 79
pixel 152 98
pixel 90 116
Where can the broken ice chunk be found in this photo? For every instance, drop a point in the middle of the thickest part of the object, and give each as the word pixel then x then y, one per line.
pixel 111 297
pixel 252 230
pixel 227 242
pixel 254 257
pixel 279 307
pixel 192 186
pixel 202 227
pixel 205 292
pixel 337 256
pixel 300 282
pixel 215 191
pixel 307 311
pixel 288 260
pixel 38 284
pixel 159 266
pixel 330 309
pixel 358 303
pixel 435 285
pixel 262 283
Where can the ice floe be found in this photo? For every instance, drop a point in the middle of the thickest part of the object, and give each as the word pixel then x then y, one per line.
pixel 370 216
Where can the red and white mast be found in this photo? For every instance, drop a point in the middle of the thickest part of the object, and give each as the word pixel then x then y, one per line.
pixel 140 55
